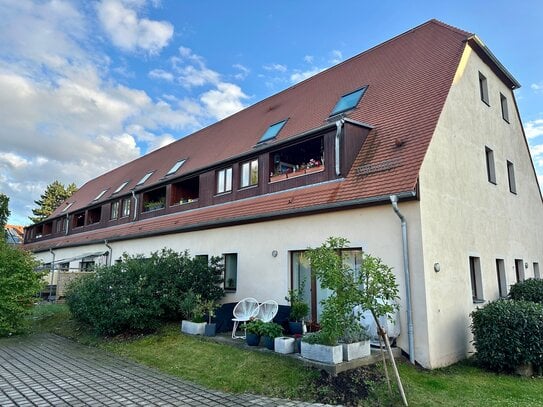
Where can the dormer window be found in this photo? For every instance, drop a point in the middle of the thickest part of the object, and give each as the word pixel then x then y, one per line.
pixel 101 194
pixel 348 101
pixel 120 187
pixel 175 167
pixel 272 131
pixel 144 178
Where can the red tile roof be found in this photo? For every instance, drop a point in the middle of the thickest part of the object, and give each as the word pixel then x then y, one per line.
pixel 409 78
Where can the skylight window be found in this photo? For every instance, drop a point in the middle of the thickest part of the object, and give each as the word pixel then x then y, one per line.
pixel 120 187
pixel 67 207
pixel 272 131
pixel 101 194
pixel 145 178
pixel 348 101
pixel 175 167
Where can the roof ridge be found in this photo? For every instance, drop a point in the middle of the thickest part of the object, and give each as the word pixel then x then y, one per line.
pixel 450 27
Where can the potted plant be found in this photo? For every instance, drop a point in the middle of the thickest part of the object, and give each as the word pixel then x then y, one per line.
pixel 270 331
pixel 253 332
pixel 209 308
pixel 356 344
pixel 191 308
pixel 298 310
pixel 322 347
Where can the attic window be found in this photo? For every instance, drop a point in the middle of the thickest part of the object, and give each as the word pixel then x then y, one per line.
pixel 175 167
pixel 348 101
pixel 144 178
pixel 272 131
pixel 67 207
pixel 101 194
pixel 120 187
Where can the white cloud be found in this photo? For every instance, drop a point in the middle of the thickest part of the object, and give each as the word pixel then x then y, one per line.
pixel 336 57
pixel 243 72
pixel 537 87
pixel 299 76
pixel 275 67
pixel 534 128
pixel 309 59
pixel 224 100
pixel 161 74
pixel 129 32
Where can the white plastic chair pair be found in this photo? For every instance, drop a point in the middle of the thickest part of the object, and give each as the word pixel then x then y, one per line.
pixel 248 309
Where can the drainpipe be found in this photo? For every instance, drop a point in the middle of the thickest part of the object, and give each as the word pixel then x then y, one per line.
pixel 52 273
pixel 135 205
pixel 339 126
pixel 110 253
pixel 67 223
pixel 394 200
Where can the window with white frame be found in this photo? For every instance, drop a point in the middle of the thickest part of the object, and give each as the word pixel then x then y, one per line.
pixel 224 180
pixel 126 208
pixel 249 173
pixel 114 210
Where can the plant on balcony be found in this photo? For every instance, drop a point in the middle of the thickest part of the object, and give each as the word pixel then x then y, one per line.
pixel 154 205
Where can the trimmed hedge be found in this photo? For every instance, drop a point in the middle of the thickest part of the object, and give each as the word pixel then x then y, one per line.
pixel 527 290
pixel 139 293
pixel 508 333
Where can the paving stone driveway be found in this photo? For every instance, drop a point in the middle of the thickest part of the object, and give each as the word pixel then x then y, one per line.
pixel 49 370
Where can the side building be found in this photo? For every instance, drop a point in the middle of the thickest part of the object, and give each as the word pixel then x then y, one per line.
pixel 428 118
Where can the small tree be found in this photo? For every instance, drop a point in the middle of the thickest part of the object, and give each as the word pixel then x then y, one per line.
pixel 19 284
pixel 54 195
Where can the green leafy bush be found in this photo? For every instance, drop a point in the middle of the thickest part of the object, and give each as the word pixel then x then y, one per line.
pixel 508 333
pixel 19 284
pixel 255 326
pixel 527 290
pixel 139 293
pixel 271 329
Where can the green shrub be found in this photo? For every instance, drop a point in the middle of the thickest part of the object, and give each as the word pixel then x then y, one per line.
pixel 271 329
pixel 255 326
pixel 139 293
pixel 527 290
pixel 19 284
pixel 508 333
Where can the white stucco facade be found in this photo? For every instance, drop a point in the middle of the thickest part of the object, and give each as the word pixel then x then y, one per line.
pixel 463 214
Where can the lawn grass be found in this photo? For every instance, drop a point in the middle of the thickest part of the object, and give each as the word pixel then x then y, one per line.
pixel 226 368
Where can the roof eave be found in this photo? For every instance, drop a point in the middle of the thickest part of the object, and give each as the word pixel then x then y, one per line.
pixel 480 46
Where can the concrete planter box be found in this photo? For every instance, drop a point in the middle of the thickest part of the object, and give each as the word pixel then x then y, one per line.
pixel 193 328
pixel 356 350
pixel 284 345
pixel 322 353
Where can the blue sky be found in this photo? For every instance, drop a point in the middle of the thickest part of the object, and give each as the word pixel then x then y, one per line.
pixel 88 85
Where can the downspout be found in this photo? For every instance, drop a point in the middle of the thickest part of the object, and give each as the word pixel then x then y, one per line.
pixel 67 223
pixel 52 274
pixel 110 253
pixel 339 126
pixel 394 200
pixel 135 205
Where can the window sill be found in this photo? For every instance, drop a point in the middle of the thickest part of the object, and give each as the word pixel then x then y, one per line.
pixel 222 193
pixel 248 187
pixel 486 102
pixel 478 301
pixel 229 290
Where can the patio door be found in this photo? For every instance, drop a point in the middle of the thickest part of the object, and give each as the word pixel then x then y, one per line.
pixel 312 292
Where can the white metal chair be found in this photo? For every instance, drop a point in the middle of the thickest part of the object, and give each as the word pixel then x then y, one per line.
pixel 243 312
pixel 267 310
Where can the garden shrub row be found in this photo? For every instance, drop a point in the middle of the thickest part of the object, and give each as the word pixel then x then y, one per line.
pixel 508 333
pixel 139 293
